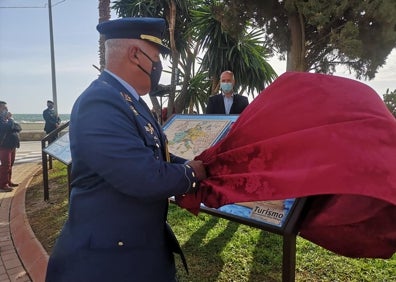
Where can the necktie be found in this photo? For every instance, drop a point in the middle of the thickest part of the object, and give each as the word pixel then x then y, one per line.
pixel 141 101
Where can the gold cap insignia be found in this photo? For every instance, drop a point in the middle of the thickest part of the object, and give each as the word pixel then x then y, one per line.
pixel 151 38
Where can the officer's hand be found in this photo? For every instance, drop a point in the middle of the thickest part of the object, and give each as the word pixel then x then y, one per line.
pixel 199 169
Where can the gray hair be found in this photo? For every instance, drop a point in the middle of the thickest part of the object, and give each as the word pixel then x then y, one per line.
pixel 229 72
pixel 115 48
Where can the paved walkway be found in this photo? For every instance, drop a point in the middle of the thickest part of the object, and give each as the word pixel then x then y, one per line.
pixel 22 258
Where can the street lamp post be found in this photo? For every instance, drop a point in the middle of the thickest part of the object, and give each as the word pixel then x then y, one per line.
pixel 54 96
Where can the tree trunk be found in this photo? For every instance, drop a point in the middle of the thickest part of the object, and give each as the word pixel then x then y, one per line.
pixel 215 85
pixel 296 53
pixel 175 56
pixel 188 70
pixel 104 15
pixel 156 105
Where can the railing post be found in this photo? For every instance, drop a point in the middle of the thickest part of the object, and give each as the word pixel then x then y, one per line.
pixel 44 162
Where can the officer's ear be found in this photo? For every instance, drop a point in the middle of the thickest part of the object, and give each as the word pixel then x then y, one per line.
pixel 132 54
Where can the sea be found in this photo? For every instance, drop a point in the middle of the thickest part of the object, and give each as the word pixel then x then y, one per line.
pixel 35 122
pixel 36 118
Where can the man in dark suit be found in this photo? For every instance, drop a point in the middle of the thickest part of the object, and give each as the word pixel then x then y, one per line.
pixel 122 173
pixel 227 102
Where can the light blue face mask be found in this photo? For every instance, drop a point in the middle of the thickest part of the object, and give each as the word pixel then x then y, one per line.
pixel 226 87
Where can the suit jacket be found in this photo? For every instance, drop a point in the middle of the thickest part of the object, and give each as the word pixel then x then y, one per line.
pixel 116 229
pixel 216 104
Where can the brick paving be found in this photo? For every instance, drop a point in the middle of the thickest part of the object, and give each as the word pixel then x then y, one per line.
pixel 22 258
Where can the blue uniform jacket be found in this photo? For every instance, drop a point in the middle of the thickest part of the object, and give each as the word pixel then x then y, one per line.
pixel 121 182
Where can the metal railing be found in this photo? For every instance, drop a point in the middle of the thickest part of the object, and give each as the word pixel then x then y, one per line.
pixel 47 159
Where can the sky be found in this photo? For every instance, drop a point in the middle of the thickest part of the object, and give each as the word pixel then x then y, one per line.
pixel 25 54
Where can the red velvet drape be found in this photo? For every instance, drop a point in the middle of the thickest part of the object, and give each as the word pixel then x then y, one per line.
pixel 322 136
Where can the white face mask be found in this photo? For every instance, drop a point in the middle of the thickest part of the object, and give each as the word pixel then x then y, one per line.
pixel 226 87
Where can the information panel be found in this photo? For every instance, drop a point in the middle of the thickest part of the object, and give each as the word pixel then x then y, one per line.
pixel 60 149
pixel 190 135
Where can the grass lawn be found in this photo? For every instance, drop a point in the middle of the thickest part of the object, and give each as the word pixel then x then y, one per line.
pixel 216 249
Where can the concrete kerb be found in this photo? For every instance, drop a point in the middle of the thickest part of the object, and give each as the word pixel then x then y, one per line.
pixel 30 251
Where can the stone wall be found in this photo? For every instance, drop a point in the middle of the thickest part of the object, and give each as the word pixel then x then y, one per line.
pixel 33 135
pixel 35 131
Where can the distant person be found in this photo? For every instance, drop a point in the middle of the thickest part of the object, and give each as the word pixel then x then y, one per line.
pixel 9 141
pixel 164 114
pixel 122 174
pixel 52 120
pixel 227 102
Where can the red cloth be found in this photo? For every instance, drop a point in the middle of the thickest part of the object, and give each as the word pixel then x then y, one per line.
pixel 313 135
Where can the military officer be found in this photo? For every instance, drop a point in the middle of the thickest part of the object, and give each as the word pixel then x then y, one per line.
pixel 122 174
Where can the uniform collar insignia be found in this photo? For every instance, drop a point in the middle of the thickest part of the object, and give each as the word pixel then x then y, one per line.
pixel 126 97
pixel 149 128
pixel 133 110
pixel 129 100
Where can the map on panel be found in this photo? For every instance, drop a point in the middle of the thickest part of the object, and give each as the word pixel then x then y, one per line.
pixel 187 138
pixel 190 135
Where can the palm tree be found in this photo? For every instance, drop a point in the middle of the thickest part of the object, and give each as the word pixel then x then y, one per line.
pixel 198 27
pixel 231 46
pixel 176 14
